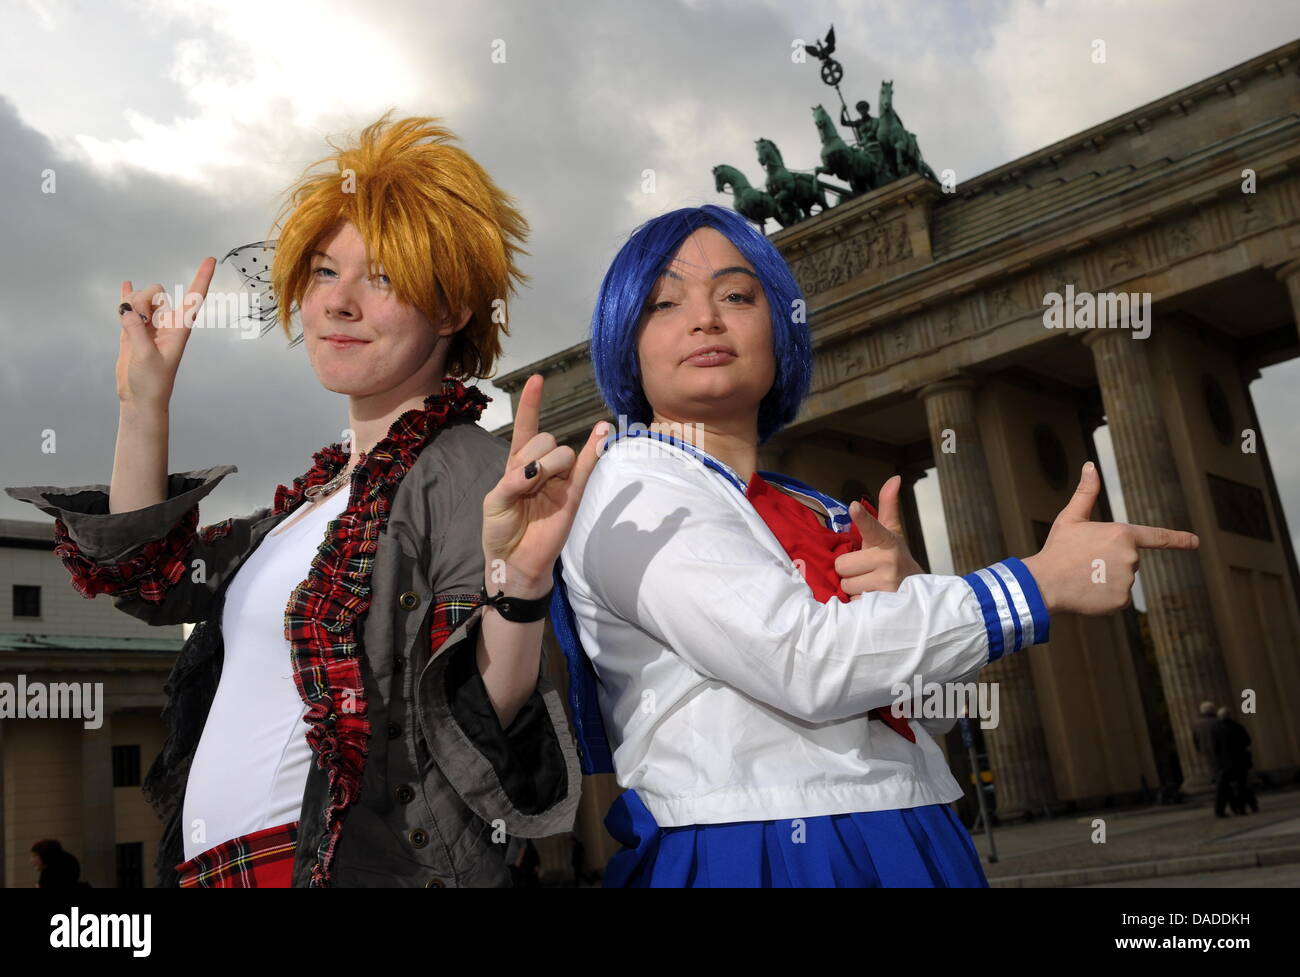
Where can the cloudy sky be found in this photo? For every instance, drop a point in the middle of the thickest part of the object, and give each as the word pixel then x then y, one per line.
pixel 173 128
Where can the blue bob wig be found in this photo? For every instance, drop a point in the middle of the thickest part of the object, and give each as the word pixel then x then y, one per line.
pixel 629 281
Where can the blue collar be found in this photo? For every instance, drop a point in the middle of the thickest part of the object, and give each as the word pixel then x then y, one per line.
pixel 839 513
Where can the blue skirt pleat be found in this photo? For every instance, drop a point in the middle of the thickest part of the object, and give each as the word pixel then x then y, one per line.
pixel 915 847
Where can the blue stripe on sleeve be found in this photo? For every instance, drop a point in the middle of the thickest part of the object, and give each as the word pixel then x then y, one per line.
pixel 1037 609
pixel 1014 613
pixel 1014 607
pixel 989 607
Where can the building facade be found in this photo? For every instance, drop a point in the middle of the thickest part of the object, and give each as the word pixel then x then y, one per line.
pixel 76 778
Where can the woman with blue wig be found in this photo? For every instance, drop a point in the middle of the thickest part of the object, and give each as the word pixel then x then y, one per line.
pixel 736 638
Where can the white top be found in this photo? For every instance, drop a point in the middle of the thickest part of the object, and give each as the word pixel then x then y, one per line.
pixel 250 769
pixel 728 691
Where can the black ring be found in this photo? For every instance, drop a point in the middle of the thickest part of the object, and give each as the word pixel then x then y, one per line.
pixel 128 307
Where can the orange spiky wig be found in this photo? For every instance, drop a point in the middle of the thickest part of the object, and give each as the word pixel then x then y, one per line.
pixel 444 233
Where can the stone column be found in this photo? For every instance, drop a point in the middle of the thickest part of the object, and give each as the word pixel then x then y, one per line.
pixel 1148 682
pixel 912 531
pixel 1178 602
pixel 1017 748
pixel 99 823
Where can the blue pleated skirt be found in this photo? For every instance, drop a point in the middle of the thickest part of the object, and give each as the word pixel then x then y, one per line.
pixel 917 847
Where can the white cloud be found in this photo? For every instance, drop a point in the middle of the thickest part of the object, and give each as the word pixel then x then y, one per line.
pixel 255 77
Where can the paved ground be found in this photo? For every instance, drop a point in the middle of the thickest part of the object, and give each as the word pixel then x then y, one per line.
pixel 1269 877
pixel 1178 845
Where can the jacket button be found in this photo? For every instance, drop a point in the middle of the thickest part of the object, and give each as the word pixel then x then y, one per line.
pixel 404 794
pixel 435 884
pixel 398 663
pixel 409 601
pixel 394 731
pixel 418 837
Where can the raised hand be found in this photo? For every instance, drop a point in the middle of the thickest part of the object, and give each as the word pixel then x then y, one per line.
pixel 526 520
pixel 153 338
pixel 883 560
pixel 1089 567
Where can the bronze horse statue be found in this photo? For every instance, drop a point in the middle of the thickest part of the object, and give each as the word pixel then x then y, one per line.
pixel 899 146
pixel 750 202
pixel 860 169
pixel 795 193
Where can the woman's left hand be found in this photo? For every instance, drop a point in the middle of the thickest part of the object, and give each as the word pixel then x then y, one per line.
pixel 883 561
pixel 526 520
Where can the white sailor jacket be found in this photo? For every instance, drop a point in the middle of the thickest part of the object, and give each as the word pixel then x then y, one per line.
pixel 726 690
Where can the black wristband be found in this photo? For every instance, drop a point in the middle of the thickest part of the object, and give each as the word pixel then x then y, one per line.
pixel 518 609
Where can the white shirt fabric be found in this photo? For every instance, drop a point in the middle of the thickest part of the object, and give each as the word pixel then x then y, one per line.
pixel 727 690
pixel 250 769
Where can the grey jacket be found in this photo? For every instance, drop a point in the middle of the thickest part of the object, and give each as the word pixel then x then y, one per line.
pixel 443 784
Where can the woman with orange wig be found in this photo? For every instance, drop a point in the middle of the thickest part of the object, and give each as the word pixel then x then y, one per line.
pixel 393 598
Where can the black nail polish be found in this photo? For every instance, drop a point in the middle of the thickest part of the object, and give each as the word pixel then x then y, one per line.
pixel 530 470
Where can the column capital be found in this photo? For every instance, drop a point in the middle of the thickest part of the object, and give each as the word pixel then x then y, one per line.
pixel 1093 336
pixel 1288 273
pixel 1287 270
pixel 958 381
pixel 912 474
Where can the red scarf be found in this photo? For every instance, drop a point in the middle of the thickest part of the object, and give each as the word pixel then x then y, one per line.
pixel 806 539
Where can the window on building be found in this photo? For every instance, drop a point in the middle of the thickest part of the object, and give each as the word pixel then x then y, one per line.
pixel 126 766
pixel 27 600
pixel 130 865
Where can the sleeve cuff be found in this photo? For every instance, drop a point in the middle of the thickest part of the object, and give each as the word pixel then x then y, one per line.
pixel 106 537
pixel 1014 613
pixel 524 756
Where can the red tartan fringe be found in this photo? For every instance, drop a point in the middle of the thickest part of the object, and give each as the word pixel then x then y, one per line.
pixel 155 567
pixel 323 613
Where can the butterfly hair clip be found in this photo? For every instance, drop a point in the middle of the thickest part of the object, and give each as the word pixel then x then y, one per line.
pixel 253 262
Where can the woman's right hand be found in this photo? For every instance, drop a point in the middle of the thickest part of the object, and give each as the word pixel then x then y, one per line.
pixel 153 338
pixel 1089 567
